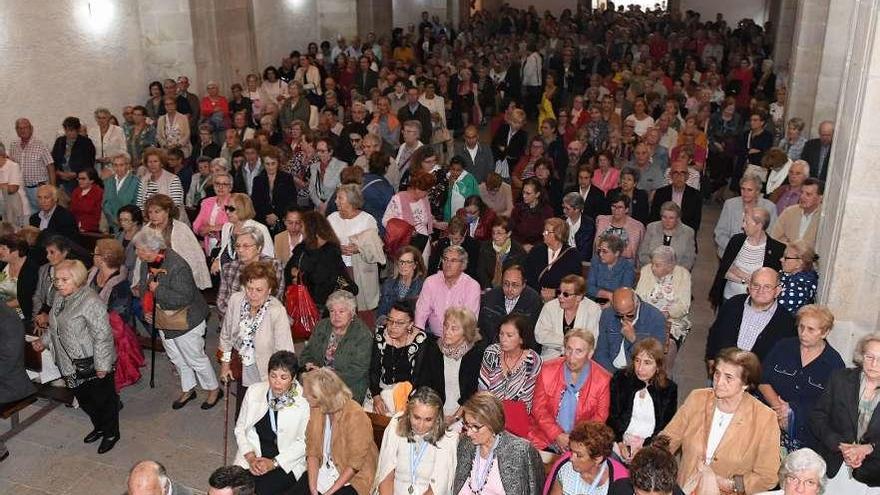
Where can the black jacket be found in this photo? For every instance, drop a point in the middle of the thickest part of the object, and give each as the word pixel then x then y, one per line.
pixel 835 420
pixel 514 150
pixel 365 81
pixel 487 258
pixel 468 373
pixel 492 311
pixel 14 382
pixel 772 259
pixel 691 206
pixel 82 155
pixel 423 115
pixel 724 331
pixel 539 276
pixel 624 386
pixel 811 155
pixel 640 209
pixel 282 196
pixel 62 222
pixel 595 203
pixel 319 269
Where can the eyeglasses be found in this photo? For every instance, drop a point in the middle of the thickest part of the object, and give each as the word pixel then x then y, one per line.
pixel 566 295
pixel 229 208
pixel 791 258
pixel 244 246
pixel 808 483
pixel 471 427
pixel 451 260
pixel 225 184
pixel 548 232
pixel 763 287
pixel 396 323
pixel 408 262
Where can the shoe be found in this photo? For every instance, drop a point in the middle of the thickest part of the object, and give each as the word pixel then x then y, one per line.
pixel 180 403
pixel 119 406
pixel 208 405
pixel 107 444
pixel 4 456
pixel 93 437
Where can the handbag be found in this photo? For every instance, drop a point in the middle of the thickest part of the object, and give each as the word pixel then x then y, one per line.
pixel 174 320
pixel 302 311
pixel 84 368
pixel 441 135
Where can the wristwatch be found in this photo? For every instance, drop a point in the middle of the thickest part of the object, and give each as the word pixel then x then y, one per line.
pixel 275 463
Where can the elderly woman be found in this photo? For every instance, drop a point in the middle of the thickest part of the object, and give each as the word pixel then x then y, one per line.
pixel 405 284
pixel 453 366
pixel 653 470
pixel 667 286
pixel 588 463
pixel 802 473
pixel 528 217
pixel 510 368
pixel 109 139
pixel 317 261
pixel 398 359
pixel 341 455
pixel 108 278
pixel 160 212
pixel 255 324
pixel 273 190
pixel 569 310
pixel 157 180
pixel 549 261
pixel 120 189
pixel 793 142
pixel 570 390
pixel 240 214
pixel 498 253
pixel 130 220
pixel 172 129
pixel 621 224
pixel 491 460
pixel 58 249
pixel 609 271
pixel 798 277
pixel 606 177
pixel 497 194
pixel 288 239
pixel 638 205
pixel 789 193
pixel 796 373
pixel 744 254
pixel 212 212
pixel 418 452
pixel 730 221
pixel 141 135
pixel 81 342
pixel 362 249
pixel 271 427
pixel 324 173
pixel 169 291
pixel 581 228
pixel 670 231
pixel 643 399
pixel 199 184
pixel 726 436
pixel 248 246
pixel 341 343
pixel 86 200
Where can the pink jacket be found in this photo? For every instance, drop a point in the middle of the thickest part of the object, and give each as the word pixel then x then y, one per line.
pixel 594 401
pixel 204 218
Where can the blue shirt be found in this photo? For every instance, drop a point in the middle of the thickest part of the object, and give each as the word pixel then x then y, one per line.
pixel 622 274
pixel 798 290
pixel 649 323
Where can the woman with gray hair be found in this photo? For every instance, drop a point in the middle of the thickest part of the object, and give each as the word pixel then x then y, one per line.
pixel 168 290
pixel 581 228
pixel 669 231
pixel 793 142
pixel 802 473
pixel 109 139
pixel 249 249
pixel 730 221
pixel 667 286
pixel 342 343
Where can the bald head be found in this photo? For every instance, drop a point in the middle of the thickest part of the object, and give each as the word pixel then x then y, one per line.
pixel 826 132
pixel 624 302
pixel 147 478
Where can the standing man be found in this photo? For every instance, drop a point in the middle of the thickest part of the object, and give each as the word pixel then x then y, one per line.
pixel 477 156
pixel 413 110
pixel 817 151
pixel 531 80
pixel 37 166
pixel 194 103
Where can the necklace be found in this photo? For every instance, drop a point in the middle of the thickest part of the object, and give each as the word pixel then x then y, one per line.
pixel 480 475
pixel 414 460
pixel 510 368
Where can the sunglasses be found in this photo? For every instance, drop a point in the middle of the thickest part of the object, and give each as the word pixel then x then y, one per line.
pixel 229 208
pixel 566 295
pixel 629 316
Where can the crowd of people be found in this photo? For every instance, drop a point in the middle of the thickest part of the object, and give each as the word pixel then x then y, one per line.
pixel 378 233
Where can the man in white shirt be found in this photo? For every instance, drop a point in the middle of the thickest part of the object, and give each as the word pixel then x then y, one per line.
pixel 531 80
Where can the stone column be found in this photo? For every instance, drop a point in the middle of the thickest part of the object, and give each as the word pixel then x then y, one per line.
pixel 784 18
pixel 806 58
pixel 224 45
pixel 849 233
pixel 167 39
pixel 834 57
pixel 376 16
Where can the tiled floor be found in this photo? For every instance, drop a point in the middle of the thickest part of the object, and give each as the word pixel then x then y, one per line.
pixel 50 458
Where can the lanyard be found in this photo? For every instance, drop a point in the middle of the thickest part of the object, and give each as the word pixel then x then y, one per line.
pixel 479 476
pixel 414 461
pixel 592 487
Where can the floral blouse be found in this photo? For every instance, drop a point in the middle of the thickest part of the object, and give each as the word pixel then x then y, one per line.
pixel 518 384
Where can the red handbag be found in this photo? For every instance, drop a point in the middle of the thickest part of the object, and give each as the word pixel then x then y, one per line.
pixel 302 310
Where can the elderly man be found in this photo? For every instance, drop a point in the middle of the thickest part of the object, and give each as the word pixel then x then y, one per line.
pixel 231 480
pixel 595 203
pixel 37 165
pixel 817 151
pixel 801 221
pixel 513 297
pixel 53 218
pixel 413 110
pixel 192 100
pixel 650 173
pixel 477 156
pixel 183 106
pixel 445 289
pixel 752 321
pixel 621 324
pixel 150 478
pixel 789 194
pixel 685 196
pixel 578 154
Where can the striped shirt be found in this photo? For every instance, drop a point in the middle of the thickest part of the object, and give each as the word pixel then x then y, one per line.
pixel 519 384
pixel 753 323
pixel 34 159
pixel 150 188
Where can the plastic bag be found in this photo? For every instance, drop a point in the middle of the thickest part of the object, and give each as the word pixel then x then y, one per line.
pixel 302 310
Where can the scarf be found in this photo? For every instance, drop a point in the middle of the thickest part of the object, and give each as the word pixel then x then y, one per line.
pixel 247 330
pixel 455 353
pixel 501 253
pixel 286 399
pixel 568 405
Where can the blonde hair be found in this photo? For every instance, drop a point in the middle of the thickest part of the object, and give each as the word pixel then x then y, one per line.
pixel 466 319
pixel 244 207
pixel 77 271
pixel 330 392
pixel 583 334
pixel 486 409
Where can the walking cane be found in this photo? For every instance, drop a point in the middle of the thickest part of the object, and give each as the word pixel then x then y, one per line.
pixel 154 334
pixel 226 423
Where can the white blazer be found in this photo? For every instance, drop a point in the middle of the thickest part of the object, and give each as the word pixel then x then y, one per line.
pixel 292 422
pixel 112 144
pixel 548 329
pixel 444 457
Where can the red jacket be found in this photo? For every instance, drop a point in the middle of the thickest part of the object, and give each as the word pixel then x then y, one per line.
pixel 483 232
pixel 594 401
pixel 87 209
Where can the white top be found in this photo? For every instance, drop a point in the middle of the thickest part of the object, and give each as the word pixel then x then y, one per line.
pixel 749 259
pixel 435 105
pixel 403 478
pixel 720 422
pixel 10 174
pixel 453 392
pixel 643 125
pixel 345 228
pixel 643 421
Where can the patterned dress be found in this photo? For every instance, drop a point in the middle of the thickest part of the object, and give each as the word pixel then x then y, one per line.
pixel 517 384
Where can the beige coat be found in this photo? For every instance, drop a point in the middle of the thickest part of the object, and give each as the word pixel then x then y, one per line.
pixel 351 443
pixel 272 336
pixel 444 457
pixel 365 266
pixel 787 227
pixel 548 329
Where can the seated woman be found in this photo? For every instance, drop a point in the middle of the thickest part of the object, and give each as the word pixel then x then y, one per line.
pixel 619 223
pixel 569 390
pixel 271 427
pixel 551 260
pixel 639 207
pixel 498 253
pixel 341 343
pixel 653 470
pixel 528 217
pixel 669 231
pixel 569 310
pixel 553 186
pixel 606 176
pixel 453 366
pixel 406 285
pixel 411 210
pixel 643 399
pixel 667 286
pixel 398 359
pixel 86 200
pixel 340 452
pixel 418 452
pixel 609 271
pixel 727 430
pixel 797 372
pixel 478 217
pixel 798 277
pixel 456 236
pixel 509 370
pixel 588 464
pixel 491 460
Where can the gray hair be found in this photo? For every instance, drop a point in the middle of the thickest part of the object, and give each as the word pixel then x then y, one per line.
pixel 353 195
pixel 632 171
pixel 100 110
pixel 804 460
pixel 460 251
pixel 754 179
pixel 574 200
pixel 760 214
pixel 801 163
pixel 796 123
pixel 150 239
pixel 663 254
pixel 254 233
pixel 345 298
pixel 123 156
pixel 222 162
pixel 671 206
pixel 413 124
pixel 859 352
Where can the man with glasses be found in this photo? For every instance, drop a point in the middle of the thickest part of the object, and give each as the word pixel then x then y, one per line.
pixel 753 321
pixel 680 193
pixel 477 156
pixel 513 297
pixel 445 289
pixel 623 323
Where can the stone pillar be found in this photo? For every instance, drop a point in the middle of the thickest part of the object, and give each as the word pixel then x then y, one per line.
pixel 224 45
pixel 167 39
pixel 849 233
pixel 806 58
pixel 784 18
pixel 376 16
pixel 834 57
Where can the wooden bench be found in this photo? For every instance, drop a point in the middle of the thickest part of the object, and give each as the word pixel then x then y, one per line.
pixel 11 410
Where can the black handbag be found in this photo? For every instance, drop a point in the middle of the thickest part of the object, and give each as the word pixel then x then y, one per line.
pixel 85 368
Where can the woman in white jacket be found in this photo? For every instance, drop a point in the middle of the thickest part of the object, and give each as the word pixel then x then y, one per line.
pixel 417 440
pixel 569 310
pixel 271 428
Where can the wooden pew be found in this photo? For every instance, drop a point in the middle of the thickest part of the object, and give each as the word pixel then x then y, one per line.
pixel 11 410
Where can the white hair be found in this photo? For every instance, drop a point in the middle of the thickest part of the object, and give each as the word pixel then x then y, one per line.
pixel 804 460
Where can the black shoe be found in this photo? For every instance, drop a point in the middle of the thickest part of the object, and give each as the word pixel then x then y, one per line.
pixel 208 405
pixel 94 436
pixel 4 456
pixel 107 444
pixel 180 403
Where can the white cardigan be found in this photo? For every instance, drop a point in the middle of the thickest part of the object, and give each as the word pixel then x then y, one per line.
pixel 444 457
pixel 548 330
pixel 292 422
